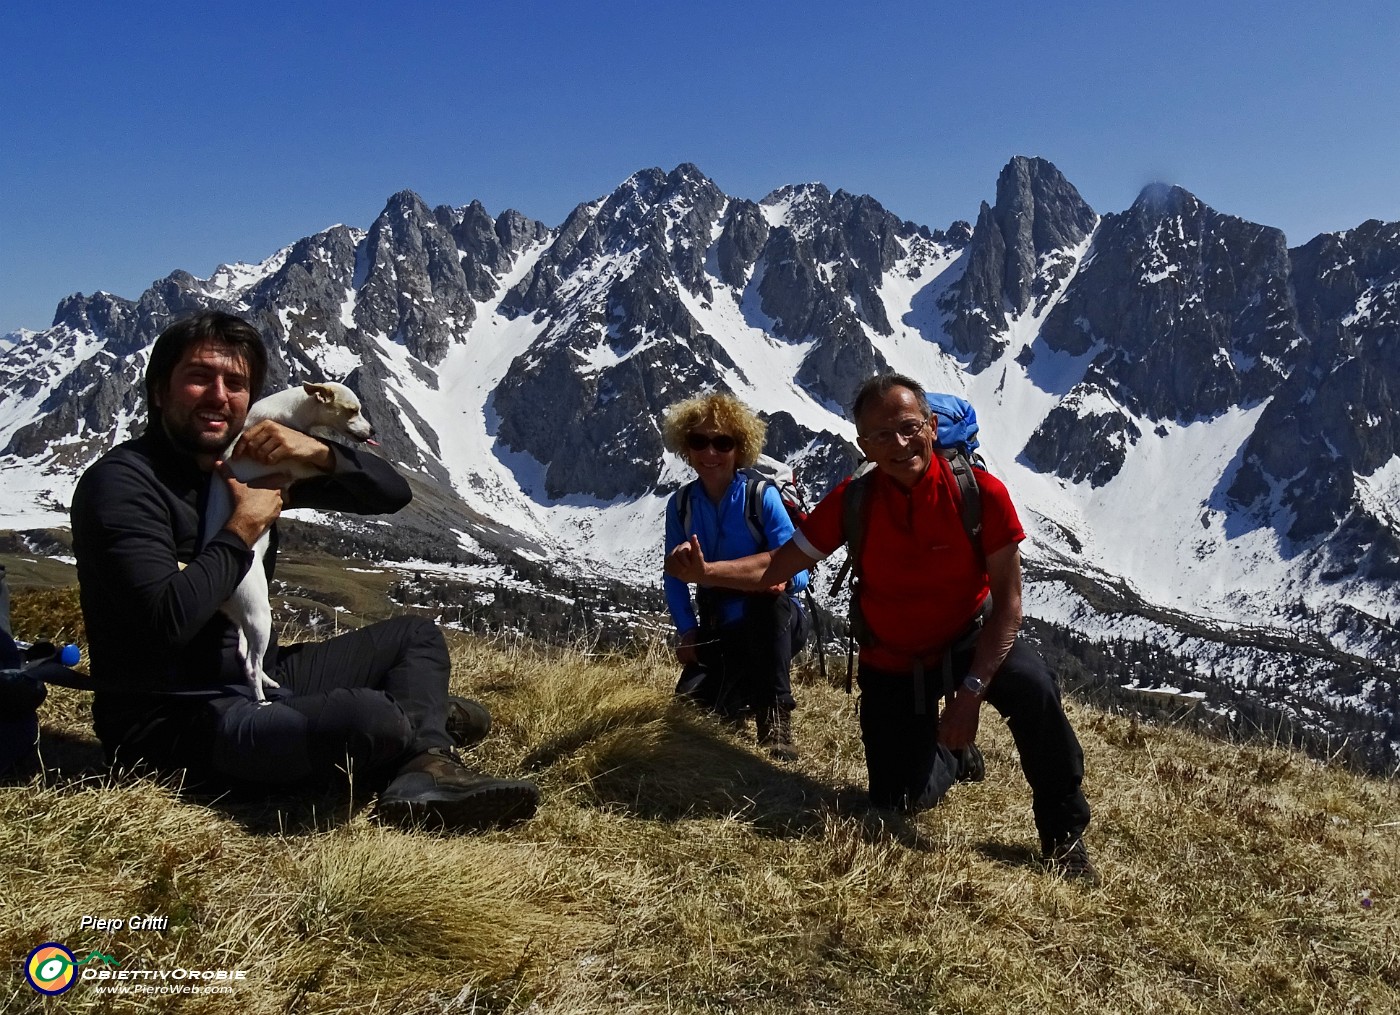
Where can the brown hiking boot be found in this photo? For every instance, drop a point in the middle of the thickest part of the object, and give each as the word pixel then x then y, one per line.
pixel 1070 860
pixel 775 733
pixel 468 722
pixel 436 790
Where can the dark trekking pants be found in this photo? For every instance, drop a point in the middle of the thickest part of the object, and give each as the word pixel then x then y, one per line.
pixel 748 664
pixel 366 700
pixel 5 604
pixel 908 769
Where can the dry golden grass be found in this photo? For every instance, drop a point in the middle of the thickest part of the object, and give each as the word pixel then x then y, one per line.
pixel 674 868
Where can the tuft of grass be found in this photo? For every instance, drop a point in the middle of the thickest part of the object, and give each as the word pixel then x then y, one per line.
pixel 673 867
pixel 51 614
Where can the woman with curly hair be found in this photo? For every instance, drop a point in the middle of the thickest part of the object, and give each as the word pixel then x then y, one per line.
pixel 735 648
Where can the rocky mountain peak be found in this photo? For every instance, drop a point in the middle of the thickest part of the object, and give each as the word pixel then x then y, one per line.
pixel 1019 255
pixel 1335 421
pixel 1185 313
pixel 1167 322
pixel 414 288
pixel 406 205
pixel 1211 319
pixel 824 266
pixel 798 206
pixel 1039 213
pixel 102 314
pixel 663 218
pixel 1160 199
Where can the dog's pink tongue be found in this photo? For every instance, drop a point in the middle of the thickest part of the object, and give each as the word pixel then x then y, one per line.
pixel 371 442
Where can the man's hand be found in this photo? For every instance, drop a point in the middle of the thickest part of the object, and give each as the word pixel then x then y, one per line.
pixel 255 506
pixel 957 727
pixel 270 443
pixel 687 561
pixel 685 647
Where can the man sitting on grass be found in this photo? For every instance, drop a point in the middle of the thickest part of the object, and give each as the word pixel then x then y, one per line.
pixel 170 690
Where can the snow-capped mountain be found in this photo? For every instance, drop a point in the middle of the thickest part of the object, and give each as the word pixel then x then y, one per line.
pixel 1185 409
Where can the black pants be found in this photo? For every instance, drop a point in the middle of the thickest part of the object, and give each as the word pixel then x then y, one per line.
pixel 5 604
pixel 748 664
pixel 908 768
pixel 369 699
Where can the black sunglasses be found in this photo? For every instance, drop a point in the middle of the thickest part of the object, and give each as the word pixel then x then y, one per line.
pixel 722 443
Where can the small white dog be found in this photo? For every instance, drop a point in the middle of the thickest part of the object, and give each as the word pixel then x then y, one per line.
pixel 307 407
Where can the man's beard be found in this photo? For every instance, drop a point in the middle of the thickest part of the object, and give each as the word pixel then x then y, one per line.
pixel 188 436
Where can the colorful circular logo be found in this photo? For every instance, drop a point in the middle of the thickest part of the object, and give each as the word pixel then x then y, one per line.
pixel 51 968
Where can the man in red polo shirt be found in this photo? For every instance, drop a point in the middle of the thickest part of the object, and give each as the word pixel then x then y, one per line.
pixel 923 592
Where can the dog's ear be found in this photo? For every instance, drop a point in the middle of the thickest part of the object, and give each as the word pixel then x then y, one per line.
pixel 319 392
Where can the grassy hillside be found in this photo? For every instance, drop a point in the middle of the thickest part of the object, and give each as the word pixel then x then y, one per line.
pixel 673 868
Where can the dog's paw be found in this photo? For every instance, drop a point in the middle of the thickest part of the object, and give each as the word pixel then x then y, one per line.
pixel 260 682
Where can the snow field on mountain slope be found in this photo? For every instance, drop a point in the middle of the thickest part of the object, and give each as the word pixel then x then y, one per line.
pixel 508 486
pixel 1380 492
pixel 230 282
pixel 458 407
pixel 38 497
pixel 766 363
pixel 30 498
pixel 77 347
pixel 1131 526
pixel 1233 662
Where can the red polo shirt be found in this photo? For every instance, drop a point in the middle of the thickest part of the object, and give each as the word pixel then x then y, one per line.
pixel 922 582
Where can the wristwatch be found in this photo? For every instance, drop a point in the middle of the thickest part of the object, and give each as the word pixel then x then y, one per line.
pixel 976 686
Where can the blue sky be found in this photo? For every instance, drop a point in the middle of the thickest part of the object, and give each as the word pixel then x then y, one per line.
pixel 140 138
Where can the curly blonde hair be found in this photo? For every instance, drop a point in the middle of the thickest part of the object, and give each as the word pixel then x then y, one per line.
pixel 727 413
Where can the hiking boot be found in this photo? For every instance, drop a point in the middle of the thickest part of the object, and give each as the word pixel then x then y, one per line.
pixel 468 722
pixel 1069 859
pixel 972 767
pixel 775 733
pixel 436 790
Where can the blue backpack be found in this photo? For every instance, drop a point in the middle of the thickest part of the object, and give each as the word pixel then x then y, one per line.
pixel 957 424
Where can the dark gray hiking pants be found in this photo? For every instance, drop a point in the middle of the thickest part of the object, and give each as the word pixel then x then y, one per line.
pixel 748 664
pixel 909 770
pixel 368 699
pixel 5 604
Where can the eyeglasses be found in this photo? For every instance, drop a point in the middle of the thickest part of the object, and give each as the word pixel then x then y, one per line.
pixel 722 442
pixel 907 430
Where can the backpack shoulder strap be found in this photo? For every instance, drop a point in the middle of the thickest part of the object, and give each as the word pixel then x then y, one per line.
pixel 755 487
pixel 855 515
pixel 855 518
pixel 969 499
pixel 683 506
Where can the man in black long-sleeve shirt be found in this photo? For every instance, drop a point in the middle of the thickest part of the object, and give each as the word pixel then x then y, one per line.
pixel 170 687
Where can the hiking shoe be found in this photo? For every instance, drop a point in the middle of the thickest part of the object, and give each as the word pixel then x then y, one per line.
pixel 468 722
pixel 436 790
pixel 972 767
pixel 775 733
pixel 1070 860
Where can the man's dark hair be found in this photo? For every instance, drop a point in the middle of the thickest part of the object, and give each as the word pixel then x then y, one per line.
pixel 234 332
pixel 879 386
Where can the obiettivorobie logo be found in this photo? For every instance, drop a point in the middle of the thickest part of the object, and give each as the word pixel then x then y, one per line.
pixel 51 968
